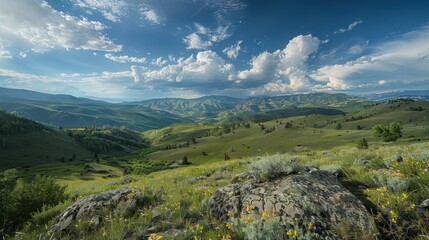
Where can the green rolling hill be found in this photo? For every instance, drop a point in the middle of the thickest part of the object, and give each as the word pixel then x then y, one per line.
pixel 71 112
pixel 310 131
pixel 25 143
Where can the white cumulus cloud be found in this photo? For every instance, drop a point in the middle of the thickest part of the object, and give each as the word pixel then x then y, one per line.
pixel 204 72
pixel 398 62
pixel 5 54
pixel 233 50
pixel 36 25
pixel 149 14
pixel 194 41
pixel 283 70
pixel 271 72
pixel 159 62
pixel 205 37
pixel 349 28
pixel 124 58
pixel 112 10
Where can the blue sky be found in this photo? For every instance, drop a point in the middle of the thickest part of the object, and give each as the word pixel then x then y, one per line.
pixel 126 50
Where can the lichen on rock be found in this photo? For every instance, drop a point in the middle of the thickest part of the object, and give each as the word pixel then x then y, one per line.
pixel 310 200
pixel 92 206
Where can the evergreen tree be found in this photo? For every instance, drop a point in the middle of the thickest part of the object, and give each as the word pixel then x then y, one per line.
pixel 389 133
pixel 339 126
pixel 185 161
pixel 362 143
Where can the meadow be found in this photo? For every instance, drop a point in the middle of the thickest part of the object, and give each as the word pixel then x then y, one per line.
pixel 390 178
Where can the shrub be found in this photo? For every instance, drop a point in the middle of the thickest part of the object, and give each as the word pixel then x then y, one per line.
pixel 185 161
pixel 332 169
pixel 32 197
pixel 389 133
pixel 362 144
pixel 19 204
pixel 7 184
pixel 275 166
pixel 47 213
pixel 394 181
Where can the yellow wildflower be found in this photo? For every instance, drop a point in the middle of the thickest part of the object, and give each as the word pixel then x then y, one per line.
pixel 227 237
pixel 249 208
pixel 292 233
pixel 249 220
pixel 155 236
pixel 228 225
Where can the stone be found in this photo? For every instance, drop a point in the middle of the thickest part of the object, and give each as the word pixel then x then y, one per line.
pixel 91 206
pixel 297 199
pixel 423 207
pixel 242 177
pixel 425 204
pixel 175 232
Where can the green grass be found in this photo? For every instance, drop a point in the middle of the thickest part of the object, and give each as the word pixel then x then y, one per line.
pixel 35 148
pixel 177 133
pixel 184 197
pixel 312 138
pixel 254 141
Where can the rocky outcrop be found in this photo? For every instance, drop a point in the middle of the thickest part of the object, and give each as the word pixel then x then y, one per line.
pixel 312 200
pixel 423 207
pixel 91 206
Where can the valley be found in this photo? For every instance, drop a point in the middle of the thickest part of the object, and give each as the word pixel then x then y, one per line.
pixel 220 138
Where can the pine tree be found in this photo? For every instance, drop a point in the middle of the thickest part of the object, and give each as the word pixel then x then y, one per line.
pixel 362 143
pixel 185 161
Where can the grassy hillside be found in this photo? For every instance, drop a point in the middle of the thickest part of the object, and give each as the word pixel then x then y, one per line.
pixel 310 132
pixel 108 139
pixel 218 151
pixel 27 143
pixel 71 112
pixel 223 108
pixel 182 195
pixel 204 108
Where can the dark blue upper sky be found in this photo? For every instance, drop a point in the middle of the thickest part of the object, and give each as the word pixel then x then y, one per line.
pixel 139 49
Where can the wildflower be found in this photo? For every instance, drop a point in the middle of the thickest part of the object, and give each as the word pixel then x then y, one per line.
pixel 249 220
pixel 155 236
pixel 309 225
pixel 228 225
pixel 227 237
pixel 231 214
pixel 264 215
pixel 393 216
pixel 249 208
pixel 292 233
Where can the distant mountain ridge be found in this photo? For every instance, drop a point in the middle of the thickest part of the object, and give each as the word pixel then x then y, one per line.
pixel 409 94
pixel 24 142
pixel 71 112
pixel 221 107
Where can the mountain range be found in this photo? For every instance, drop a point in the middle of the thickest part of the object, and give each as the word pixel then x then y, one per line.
pixel 407 94
pixel 72 112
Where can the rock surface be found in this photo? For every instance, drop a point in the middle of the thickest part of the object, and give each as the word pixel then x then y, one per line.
pixel 90 207
pixel 313 197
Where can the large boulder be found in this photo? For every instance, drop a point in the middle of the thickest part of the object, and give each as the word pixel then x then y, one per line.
pixel 297 200
pixel 91 207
